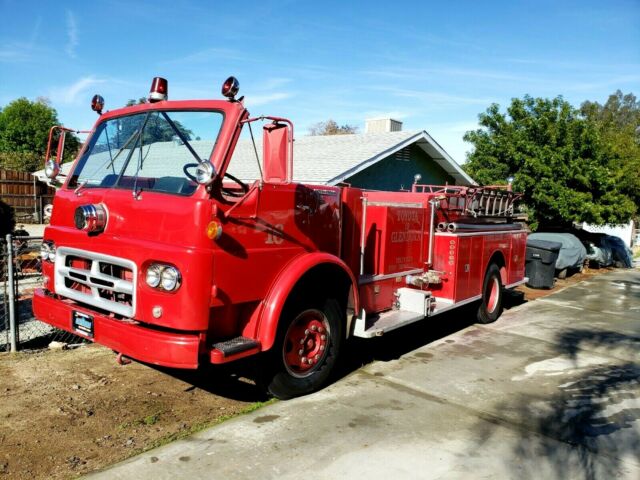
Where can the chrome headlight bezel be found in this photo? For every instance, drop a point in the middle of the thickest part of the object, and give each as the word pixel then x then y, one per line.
pixel 153 276
pixel 48 251
pixel 170 279
pixel 163 277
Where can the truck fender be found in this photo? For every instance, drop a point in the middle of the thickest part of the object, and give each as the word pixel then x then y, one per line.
pixel 286 281
pixel 497 257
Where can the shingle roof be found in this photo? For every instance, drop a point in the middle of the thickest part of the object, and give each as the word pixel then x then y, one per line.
pixel 333 158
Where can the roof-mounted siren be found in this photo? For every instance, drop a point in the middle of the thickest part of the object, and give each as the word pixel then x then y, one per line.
pixel 159 90
pixel 97 104
pixel 230 88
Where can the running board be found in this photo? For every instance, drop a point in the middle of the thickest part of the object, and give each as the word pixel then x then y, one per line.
pixel 376 325
pixel 421 307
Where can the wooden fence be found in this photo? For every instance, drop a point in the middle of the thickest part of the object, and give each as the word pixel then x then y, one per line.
pixel 25 194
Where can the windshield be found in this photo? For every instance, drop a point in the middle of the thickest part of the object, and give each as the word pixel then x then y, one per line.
pixel 155 150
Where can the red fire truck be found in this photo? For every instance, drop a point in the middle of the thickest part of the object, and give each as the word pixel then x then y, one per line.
pixel 156 251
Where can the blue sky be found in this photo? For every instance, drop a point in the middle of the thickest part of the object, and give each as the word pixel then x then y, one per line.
pixel 433 65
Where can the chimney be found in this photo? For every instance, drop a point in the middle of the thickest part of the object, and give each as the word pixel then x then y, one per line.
pixel 382 125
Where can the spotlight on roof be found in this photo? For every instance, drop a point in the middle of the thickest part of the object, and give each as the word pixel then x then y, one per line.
pixel 97 104
pixel 159 90
pixel 230 88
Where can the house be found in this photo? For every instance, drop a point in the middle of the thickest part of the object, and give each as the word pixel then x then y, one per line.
pixel 383 158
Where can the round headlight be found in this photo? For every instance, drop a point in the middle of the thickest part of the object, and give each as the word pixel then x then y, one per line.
pixel 51 169
pixel 170 278
pixel 44 251
pixel 52 253
pixel 153 275
pixel 205 172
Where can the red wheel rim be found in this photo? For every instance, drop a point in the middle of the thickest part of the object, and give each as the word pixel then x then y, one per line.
pixel 306 343
pixel 494 295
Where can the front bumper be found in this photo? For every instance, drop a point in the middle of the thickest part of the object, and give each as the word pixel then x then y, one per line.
pixel 177 350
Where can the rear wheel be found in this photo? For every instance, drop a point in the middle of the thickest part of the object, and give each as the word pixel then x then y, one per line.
pixel 491 304
pixel 306 349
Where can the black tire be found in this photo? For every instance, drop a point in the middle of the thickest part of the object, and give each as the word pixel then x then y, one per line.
pixel 492 296
pixel 285 378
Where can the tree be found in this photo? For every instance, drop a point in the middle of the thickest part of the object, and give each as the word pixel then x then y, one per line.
pixel 557 158
pixel 330 127
pixel 157 128
pixel 618 123
pixel 131 102
pixel 24 131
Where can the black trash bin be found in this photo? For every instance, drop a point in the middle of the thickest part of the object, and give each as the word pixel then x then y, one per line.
pixel 540 262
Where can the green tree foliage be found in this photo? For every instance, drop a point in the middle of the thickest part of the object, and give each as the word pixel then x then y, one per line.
pixel 24 131
pixel 618 123
pixel 557 158
pixel 157 128
pixel 330 127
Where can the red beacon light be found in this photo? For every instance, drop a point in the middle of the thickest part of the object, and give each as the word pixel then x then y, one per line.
pixel 230 88
pixel 159 90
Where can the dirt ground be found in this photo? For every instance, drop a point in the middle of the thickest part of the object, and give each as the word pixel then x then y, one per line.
pixel 68 412
pixel 532 293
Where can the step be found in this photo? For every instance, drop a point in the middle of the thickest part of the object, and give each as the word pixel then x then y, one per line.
pixel 235 345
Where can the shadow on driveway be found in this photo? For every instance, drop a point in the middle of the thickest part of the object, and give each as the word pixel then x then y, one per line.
pixel 595 412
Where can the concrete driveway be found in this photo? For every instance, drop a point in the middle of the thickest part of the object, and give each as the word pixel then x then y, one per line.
pixel 551 390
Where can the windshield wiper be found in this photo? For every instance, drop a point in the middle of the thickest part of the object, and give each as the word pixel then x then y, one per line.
pixel 182 137
pixel 138 135
pixel 133 136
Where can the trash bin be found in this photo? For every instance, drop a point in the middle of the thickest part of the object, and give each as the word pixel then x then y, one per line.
pixel 540 262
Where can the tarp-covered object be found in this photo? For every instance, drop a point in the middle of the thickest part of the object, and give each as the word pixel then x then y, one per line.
pixel 622 256
pixel 572 253
pixel 598 255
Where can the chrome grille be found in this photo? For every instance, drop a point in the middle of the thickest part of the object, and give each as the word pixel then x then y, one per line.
pixel 103 281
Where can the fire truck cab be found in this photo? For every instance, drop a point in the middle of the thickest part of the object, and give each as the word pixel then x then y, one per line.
pixel 156 251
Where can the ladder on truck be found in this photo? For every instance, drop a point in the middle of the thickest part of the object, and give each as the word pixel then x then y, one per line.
pixel 478 202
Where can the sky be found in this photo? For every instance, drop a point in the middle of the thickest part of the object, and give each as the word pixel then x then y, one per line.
pixel 433 65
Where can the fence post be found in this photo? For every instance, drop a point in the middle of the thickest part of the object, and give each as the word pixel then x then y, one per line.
pixel 13 332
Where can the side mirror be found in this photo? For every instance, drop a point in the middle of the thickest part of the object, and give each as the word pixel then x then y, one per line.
pixel 277 153
pixel 52 167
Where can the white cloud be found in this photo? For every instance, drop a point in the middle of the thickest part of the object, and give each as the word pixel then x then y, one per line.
pixel 435 98
pixel 259 100
pixel 14 53
pixel 71 93
pixel 72 33
pixel 277 82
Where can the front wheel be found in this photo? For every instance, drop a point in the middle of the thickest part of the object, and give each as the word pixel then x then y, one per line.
pixel 491 305
pixel 306 350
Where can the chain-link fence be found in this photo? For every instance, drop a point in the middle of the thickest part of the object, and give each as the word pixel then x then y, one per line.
pixel 21 274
